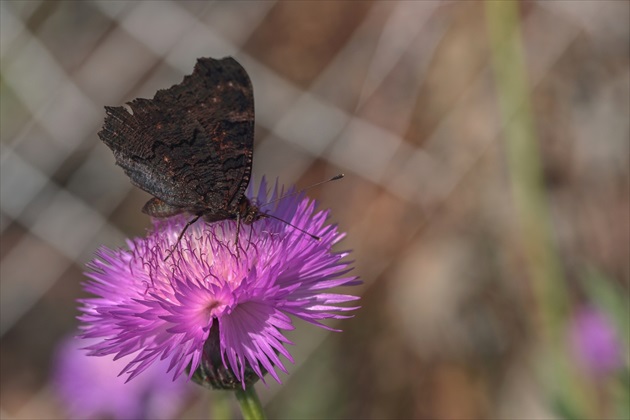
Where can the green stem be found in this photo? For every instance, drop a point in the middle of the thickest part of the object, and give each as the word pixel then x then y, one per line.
pixel 250 404
pixel 530 200
pixel 525 167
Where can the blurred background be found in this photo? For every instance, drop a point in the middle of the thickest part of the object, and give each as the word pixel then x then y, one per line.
pixel 486 151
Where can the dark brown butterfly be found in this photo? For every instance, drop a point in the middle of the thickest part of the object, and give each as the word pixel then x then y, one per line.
pixel 191 146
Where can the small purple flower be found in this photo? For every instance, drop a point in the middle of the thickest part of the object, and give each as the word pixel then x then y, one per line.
pixel 166 309
pixel 89 387
pixel 595 342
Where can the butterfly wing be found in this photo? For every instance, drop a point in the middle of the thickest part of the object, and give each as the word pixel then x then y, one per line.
pixel 191 146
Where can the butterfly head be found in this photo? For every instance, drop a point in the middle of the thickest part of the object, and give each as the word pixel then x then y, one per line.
pixel 249 212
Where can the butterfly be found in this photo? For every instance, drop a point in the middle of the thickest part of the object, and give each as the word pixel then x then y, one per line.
pixel 191 146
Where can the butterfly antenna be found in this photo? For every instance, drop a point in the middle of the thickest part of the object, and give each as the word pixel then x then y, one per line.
pixel 334 178
pixel 181 235
pixel 317 238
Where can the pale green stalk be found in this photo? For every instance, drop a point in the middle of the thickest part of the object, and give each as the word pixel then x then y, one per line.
pixel 250 403
pixel 531 205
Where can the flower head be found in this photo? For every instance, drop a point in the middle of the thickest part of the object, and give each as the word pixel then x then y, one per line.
pixel 160 309
pixel 88 387
pixel 595 342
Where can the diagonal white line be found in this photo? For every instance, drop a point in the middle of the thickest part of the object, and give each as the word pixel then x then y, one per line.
pixel 10 26
pixel 314 124
pixel 395 40
pixel 65 223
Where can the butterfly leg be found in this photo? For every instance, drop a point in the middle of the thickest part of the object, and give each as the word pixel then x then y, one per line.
pixel 249 239
pixel 181 235
pixel 238 232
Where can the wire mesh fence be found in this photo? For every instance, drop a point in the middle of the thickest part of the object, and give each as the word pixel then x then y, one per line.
pixel 399 96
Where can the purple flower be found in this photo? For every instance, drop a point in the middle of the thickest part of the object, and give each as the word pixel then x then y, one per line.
pixel 595 342
pixel 88 387
pixel 166 309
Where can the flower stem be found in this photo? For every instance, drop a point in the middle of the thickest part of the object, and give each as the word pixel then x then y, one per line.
pixel 250 404
pixel 549 286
